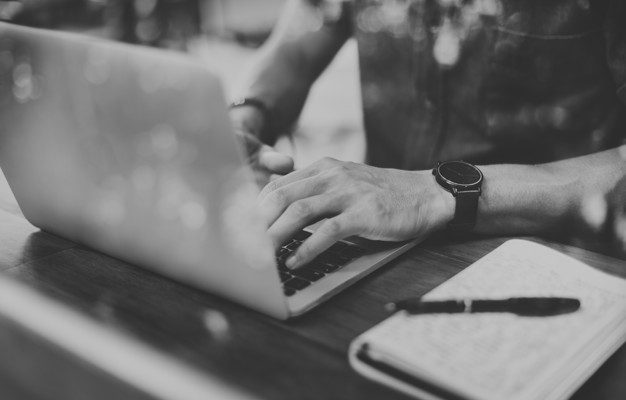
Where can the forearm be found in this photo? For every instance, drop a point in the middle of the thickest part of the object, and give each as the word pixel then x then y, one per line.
pixel 287 66
pixel 539 199
pixel 274 81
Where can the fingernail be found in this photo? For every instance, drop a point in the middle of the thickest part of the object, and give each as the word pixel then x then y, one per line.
pixel 291 262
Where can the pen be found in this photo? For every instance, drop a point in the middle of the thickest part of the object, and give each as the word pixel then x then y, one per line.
pixel 525 306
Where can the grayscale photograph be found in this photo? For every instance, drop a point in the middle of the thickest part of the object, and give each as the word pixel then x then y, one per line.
pixel 312 199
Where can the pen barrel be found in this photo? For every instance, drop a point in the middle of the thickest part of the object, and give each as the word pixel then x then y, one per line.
pixel 523 306
pixel 529 306
pixel 416 306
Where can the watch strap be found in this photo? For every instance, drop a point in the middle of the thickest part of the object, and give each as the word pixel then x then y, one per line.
pixel 465 210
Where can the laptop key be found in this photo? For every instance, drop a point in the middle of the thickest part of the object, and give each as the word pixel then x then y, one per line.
pixel 338 248
pixel 293 245
pixel 323 268
pixel 346 251
pixel 316 266
pixel 325 258
pixel 328 268
pixel 280 260
pixel 354 251
pixel 334 258
pixel 284 276
pixel 339 260
pixel 345 260
pixel 289 291
pixel 297 283
pixel 309 274
pixel 302 235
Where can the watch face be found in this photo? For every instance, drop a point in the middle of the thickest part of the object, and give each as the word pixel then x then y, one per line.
pixel 460 173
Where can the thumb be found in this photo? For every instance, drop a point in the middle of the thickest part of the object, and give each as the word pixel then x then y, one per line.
pixel 275 162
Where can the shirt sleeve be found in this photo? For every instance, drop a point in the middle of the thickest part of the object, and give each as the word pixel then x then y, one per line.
pixel 615 34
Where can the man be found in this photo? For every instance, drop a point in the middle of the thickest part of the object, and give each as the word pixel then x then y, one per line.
pixel 531 91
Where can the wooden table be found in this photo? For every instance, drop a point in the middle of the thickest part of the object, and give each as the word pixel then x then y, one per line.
pixel 108 305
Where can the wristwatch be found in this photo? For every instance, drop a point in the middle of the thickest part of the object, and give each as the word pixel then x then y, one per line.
pixel 464 181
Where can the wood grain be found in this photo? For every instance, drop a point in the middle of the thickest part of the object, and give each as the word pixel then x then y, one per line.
pixel 7 201
pixel 21 242
pixel 256 352
pixel 303 358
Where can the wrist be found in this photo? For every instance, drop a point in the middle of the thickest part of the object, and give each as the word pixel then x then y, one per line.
pixel 440 203
pixel 445 204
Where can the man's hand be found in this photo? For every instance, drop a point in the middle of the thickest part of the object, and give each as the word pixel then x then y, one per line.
pixel 264 160
pixel 374 203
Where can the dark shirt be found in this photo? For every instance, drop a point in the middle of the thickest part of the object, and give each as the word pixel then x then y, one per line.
pixel 541 80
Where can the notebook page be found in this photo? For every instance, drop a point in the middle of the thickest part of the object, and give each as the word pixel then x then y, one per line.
pixel 501 355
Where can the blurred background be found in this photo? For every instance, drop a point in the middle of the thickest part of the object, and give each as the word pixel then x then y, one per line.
pixel 223 34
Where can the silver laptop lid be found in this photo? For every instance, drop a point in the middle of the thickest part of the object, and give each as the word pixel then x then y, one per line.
pixel 129 150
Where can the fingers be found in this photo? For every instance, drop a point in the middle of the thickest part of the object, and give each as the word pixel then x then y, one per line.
pixel 300 214
pixel 277 201
pixel 275 162
pixel 295 176
pixel 291 178
pixel 251 143
pixel 265 157
pixel 300 198
pixel 326 235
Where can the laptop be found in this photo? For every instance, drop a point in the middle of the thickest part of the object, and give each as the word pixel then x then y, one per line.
pixel 129 151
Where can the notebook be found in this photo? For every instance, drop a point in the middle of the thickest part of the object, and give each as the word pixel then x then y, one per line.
pixel 501 355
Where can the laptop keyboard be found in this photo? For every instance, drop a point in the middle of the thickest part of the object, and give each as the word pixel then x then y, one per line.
pixel 328 262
